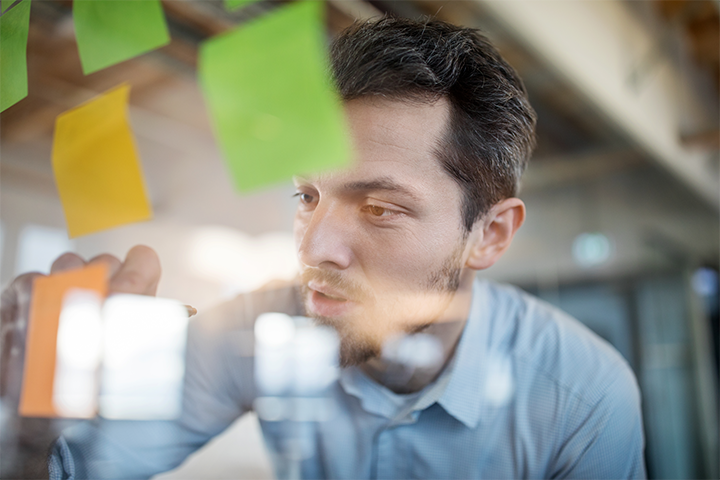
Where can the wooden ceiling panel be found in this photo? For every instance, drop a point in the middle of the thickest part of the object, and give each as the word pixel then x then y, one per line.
pixel 56 82
pixel 700 21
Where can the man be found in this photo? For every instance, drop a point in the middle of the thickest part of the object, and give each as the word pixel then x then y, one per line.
pixel 442 131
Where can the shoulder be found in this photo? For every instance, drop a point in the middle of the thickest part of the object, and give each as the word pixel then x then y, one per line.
pixel 549 346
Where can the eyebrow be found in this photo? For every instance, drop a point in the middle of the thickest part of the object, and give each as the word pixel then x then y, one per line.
pixel 384 184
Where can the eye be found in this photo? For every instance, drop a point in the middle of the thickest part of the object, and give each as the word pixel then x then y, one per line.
pixel 377 211
pixel 305 198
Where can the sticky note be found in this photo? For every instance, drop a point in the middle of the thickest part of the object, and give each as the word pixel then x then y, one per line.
pixel 14 25
pixel 97 170
pixel 112 31
pixel 235 4
pixel 272 103
pixel 36 398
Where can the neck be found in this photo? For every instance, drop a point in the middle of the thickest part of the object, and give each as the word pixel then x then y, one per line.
pixel 447 329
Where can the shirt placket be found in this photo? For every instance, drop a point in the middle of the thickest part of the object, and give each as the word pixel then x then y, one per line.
pixel 386 457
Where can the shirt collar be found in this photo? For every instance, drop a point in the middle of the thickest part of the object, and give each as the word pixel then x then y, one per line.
pixel 359 385
pixel 463 397
pixel 374 397
pixel 459 388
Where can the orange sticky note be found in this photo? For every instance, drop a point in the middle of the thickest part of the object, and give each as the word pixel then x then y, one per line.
pixel 36 399
pixel 96 166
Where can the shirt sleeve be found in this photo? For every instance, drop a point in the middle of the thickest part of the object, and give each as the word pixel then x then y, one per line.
pixel 606 439
pixel 217 389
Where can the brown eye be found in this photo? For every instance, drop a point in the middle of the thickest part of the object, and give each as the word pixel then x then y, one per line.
pixel 305 198
pixel 377 211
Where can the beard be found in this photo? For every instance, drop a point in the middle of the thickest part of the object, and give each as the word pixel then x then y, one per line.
pixel 356 348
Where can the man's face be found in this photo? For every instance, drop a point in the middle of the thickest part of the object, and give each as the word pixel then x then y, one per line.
pixel 381 244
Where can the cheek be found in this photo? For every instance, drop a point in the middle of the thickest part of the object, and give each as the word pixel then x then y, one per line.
pixel 402 263
pixel 299 228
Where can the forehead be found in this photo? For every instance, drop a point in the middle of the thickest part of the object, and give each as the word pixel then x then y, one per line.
pixel 394 143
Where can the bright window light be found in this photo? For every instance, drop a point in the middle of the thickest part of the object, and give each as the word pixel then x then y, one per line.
pixel 239 262
pixel 591 249
pixel 39 246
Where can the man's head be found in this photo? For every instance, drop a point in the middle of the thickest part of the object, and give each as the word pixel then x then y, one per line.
pixel 442 131
pixel 490 136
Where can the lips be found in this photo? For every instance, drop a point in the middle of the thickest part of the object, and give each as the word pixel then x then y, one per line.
pixel 327 302
pixel 326 291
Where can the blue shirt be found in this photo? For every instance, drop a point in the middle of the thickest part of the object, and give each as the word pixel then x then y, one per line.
pixel 529 393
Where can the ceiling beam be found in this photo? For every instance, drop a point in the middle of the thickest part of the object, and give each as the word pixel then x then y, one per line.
pixel 190 15
pixel 707 140
pixel 596 47
pixel 546 173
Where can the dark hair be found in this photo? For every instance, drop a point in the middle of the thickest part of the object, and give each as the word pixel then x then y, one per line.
pixel 490 136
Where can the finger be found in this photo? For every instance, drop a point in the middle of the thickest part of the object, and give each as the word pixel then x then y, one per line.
pixel 139 274
pixel 14 307
pixel 16 299
pixel 67 261
pixel 112 262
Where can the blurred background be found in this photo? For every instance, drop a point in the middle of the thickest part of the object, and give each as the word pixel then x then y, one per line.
pixel 622 194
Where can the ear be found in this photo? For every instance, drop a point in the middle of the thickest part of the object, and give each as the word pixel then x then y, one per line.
pixel 492 235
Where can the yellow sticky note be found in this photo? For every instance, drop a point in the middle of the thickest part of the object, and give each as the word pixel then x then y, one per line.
pixel 96 165
pixel 36 399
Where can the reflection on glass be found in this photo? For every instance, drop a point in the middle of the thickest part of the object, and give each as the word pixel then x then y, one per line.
pixel 296 362
pixel 293 357
pixel 135 342
pixel 79 351
pixel 143 362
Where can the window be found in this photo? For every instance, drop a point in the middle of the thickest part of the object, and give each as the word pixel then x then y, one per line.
pixel 39 246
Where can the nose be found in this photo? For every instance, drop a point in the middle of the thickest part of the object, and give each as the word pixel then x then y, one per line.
pixel 324 239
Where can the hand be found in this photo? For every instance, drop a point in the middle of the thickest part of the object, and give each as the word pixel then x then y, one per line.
pixel 27 439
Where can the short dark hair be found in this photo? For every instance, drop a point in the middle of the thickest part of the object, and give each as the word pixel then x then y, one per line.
pixel 491 133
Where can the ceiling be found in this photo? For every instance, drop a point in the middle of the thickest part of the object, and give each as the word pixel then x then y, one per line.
pixel 567 125
pixel 580 144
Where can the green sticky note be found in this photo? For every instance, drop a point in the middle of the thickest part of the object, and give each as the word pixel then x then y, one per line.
pixel 14 25
pixel 272 103
pixel 235 4
pixel 112 31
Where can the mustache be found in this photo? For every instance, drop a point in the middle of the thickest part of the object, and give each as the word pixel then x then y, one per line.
pixel 349 289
